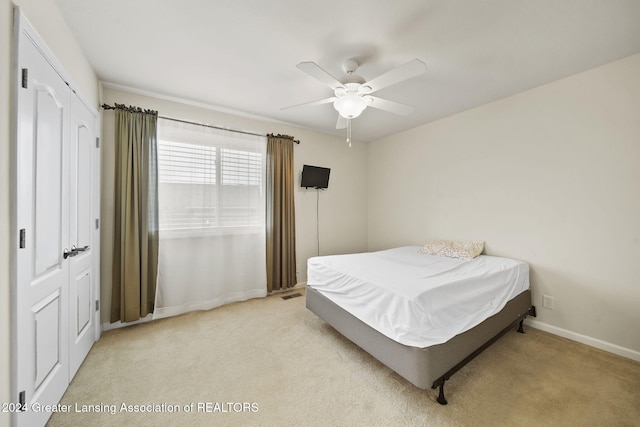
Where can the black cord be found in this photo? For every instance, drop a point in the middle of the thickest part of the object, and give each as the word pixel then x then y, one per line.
pixel 318 218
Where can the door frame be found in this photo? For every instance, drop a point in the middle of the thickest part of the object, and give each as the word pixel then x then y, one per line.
pixel 22 28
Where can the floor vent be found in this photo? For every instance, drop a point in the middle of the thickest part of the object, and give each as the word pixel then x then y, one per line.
pixel 297 294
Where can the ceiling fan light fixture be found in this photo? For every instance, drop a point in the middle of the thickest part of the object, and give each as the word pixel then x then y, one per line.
pixel 350 106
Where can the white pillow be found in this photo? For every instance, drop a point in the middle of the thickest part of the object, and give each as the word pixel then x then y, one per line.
pixel 464 250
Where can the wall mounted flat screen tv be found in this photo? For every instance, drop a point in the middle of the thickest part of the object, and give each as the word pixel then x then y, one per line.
pixel 315 177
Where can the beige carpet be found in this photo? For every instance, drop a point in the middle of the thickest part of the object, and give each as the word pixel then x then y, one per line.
pixel 271 362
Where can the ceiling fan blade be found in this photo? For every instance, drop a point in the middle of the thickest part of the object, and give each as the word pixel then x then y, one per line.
pixel 342 122
pixel 403 72
pixel 318 73
pixel 309 104
pixel 390 106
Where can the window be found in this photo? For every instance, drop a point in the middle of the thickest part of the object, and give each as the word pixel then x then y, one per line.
pixel 210 180
pixel 211 205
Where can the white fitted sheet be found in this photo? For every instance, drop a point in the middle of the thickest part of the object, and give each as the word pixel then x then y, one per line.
pixel 418 299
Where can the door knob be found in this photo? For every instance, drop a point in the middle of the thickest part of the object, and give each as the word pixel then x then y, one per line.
pixel 74 251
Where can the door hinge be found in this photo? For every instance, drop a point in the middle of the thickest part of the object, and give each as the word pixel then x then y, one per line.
pixel 97 142
pixel 25 77
pixel 23 238
pixel 22 401
pixel 97 223
pixel 97 304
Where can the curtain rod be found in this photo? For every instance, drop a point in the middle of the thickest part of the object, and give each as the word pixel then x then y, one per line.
pixel 130 109
pixel 137 109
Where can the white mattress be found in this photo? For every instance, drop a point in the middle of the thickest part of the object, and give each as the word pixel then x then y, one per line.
pixel 418 299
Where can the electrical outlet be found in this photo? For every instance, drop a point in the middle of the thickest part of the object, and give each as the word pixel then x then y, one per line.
pixel 547 302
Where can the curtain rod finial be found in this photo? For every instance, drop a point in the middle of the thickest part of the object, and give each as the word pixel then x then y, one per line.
pixel 284 137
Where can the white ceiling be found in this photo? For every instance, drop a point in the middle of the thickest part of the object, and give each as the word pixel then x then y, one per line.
pixel 241 55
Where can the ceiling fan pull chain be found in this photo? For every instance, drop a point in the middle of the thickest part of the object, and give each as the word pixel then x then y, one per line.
pixel 349 132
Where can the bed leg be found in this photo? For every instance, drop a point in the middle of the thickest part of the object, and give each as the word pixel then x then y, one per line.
pixel 520 328
pixel 441 400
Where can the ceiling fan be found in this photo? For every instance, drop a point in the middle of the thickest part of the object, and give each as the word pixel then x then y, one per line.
pixel 352 97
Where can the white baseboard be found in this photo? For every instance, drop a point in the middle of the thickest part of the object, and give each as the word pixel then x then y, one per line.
pixel 584 339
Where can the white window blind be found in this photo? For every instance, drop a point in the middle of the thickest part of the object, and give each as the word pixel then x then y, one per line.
pixel 180 163
pixel 209 179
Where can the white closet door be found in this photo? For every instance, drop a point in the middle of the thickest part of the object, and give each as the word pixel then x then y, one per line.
pixel 83 273
pixel 56 203
pixel 42 273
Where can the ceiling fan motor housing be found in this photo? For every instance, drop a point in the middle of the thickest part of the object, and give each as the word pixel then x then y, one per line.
pixel 349 66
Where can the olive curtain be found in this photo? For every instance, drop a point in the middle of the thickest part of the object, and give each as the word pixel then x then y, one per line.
pixel 135 251
pixel 281 229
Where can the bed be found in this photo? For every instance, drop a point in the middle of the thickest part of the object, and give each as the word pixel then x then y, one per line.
pixel 424 316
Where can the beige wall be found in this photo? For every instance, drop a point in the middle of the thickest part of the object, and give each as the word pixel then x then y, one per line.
pixel 550 176
pixel 44 16
pixel 343 226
